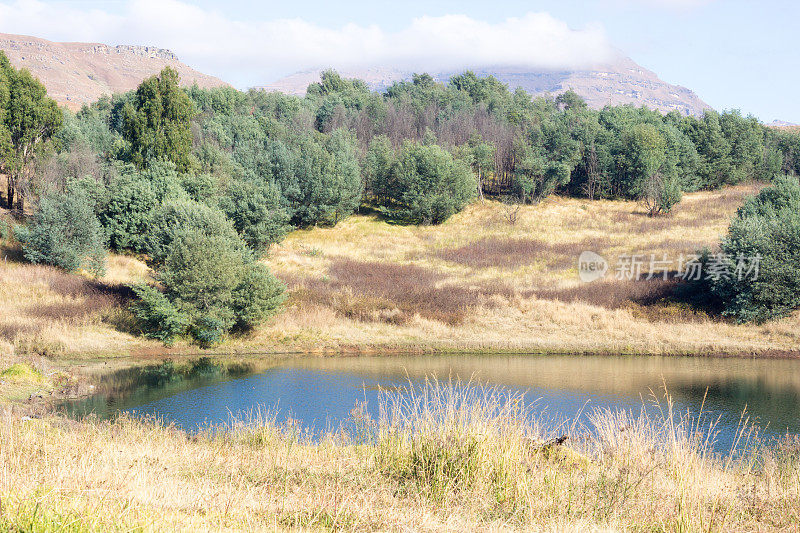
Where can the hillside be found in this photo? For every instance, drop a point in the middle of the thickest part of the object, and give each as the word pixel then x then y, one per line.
pixel 475 283
pixel 79 73
pixel 620 82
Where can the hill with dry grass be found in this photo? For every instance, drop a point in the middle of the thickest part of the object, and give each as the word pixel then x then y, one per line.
pixel 475 283
pixel 80 73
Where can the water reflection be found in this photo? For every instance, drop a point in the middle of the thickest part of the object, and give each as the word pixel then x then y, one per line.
pixel 320 392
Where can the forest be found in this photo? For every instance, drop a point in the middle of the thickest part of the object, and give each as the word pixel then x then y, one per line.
pixel 200 183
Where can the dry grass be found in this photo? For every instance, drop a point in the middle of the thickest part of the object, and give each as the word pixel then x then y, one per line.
pixel 473 283
pixel 442 459
pixel 392 293
pixel 46 311
pixel 508 253
pixel 508 287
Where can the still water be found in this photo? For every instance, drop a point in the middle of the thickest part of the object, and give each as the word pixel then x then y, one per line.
pixel 321 392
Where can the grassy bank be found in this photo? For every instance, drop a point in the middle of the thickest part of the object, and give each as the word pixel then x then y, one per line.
pixel 438 460
pixel 477 282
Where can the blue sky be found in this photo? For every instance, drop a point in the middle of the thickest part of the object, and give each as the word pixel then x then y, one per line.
pixel 734 54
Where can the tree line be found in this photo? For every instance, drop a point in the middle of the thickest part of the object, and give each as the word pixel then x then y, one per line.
pixel 206 180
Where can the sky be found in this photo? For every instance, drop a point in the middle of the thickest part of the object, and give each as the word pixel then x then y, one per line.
pixel 734 54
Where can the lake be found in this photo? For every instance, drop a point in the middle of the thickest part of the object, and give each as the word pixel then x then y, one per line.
pixel 321 392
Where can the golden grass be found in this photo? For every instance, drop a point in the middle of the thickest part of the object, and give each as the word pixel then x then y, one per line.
pixel 441 459
pixel 475 283
pixel 521 283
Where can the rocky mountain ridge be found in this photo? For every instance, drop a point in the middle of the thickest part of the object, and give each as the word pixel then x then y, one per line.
pixel 621 81
pixel 80 73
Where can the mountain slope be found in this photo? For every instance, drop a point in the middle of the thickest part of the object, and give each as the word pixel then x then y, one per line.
pixel 79 73
pixel 619 82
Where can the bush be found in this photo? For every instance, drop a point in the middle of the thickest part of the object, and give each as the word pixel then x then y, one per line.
pixel 158 317
pixel 126 212
pixel 184 215
pixel 661 193
pixel 256 214
pixel 210 286
pixel 65 233
pixel 125 206
pixel 325 185
pixel 257 296
pixel 424 185
pixel 766 226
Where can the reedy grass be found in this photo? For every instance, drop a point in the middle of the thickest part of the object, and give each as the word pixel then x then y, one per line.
pixel 442 456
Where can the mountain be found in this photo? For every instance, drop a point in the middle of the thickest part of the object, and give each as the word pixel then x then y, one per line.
pixel 783 125
pixel 79 73
pixel 621 81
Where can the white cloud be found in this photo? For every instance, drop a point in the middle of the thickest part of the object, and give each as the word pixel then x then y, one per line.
pixel 253 51
pixel 679 5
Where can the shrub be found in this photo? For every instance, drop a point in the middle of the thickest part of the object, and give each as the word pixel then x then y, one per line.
pixel 126 212
pixel 158 317
pixel 257 296
pixel 184 215
pixel 210 285
pixel 661 193
pixel 65 233
pixel 424 185
pixel 766 226
pixel 324 186
pixel 256 214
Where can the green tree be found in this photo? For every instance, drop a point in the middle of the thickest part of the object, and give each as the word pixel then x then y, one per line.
pixel 767 226
pixel 174 217
pixel 157 124
pixel 65 232
pixel 30 119
pixel 426 185
pixel 209 286
pixel 256 213
pixel 323 185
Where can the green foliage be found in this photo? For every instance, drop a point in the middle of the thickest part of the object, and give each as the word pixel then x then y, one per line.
pixel 323 186
pixel 28 120
pixel 209 281
pixel 424 184
pixel 159 318
pixel 126 205
pixel 177 216
pixel 157 123
pixel 257 296
pixel 65 233
pixel 766 226
pixel 256 213
pixel 661 193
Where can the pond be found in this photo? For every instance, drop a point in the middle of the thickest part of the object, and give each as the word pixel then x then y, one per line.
pixel 321 392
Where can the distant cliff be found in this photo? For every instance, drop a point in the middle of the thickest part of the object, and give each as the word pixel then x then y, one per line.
pixel 619 82
pixel 79 73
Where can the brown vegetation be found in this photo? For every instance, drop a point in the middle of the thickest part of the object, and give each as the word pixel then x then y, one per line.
pixel 444 459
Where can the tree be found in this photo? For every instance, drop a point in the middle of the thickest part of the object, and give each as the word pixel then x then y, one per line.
pixel 209 286
pixel 30 119
pixel 426 185
pixel 660 193
pixel 766 227
pixel 64 232
pixel 481 159
pixel 158 122
pixel 177 216
pixel 323 184
pixel 256 213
